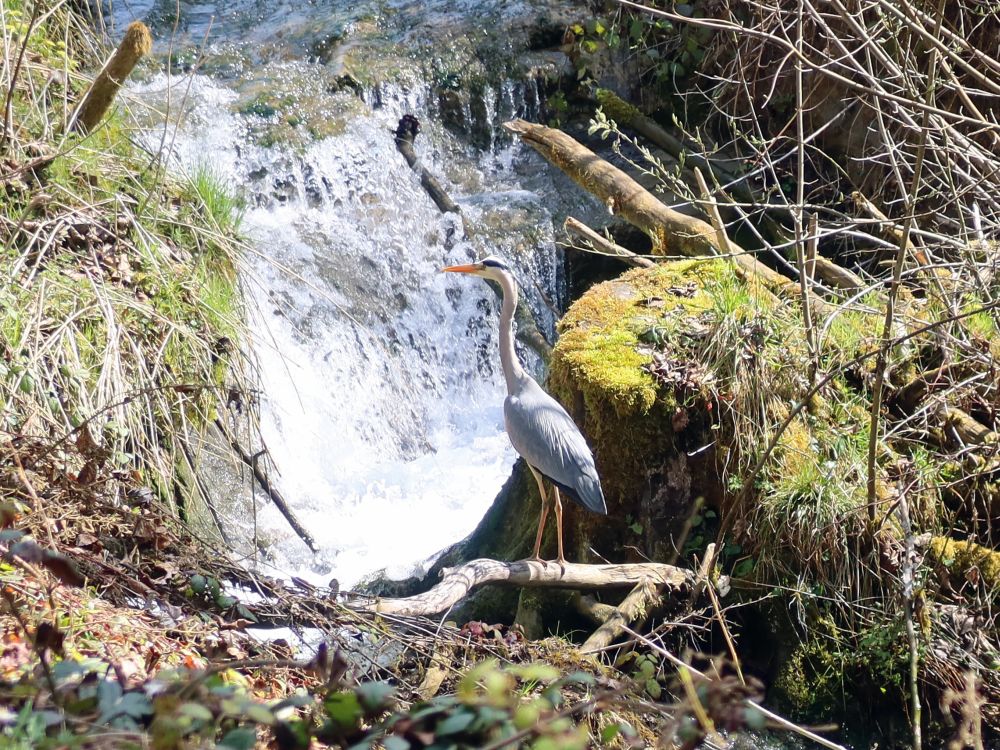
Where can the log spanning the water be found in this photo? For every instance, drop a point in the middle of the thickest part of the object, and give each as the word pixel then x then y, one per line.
pixel 457 583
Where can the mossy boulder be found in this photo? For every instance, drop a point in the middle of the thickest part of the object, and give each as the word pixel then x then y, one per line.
pixel 640 428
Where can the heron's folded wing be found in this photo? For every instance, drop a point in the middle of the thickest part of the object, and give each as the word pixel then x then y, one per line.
pixel 548 439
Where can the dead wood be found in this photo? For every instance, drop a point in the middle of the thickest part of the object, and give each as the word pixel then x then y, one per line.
pixel 603 245
pixel 636 606
pixel 95 103
pixel 630 116
pixel 528 331
pixel 626 114
pixel 589 607
pixel 406 134
pixel 671 231
pixel 253 462
pixel 967 429
pixel 458 582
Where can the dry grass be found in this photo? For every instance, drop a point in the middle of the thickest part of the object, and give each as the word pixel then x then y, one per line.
pixel 120 303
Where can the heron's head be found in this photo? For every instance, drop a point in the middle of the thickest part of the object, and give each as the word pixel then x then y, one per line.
pixel 490 267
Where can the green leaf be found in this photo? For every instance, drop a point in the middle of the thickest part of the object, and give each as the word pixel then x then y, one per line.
pixel 343 709
pixel 225 602
pixel 455 723
pixel 198 583
pixel 259 713
pixel 744 568
pixel 609 733
pixel 653 688
pixel 375 696
pixel 241 738
pixel 394 742
pixel 646 667
pixel 108 694
pixel 245 613
pixel 135 705
pixel 196 711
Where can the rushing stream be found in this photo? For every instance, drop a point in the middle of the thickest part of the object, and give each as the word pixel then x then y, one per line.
pixel 382 393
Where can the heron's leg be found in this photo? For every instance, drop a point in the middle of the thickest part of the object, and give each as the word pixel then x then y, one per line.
pixel 558 503
pixel 545 513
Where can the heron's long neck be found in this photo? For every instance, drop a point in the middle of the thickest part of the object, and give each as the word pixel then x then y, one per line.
pixel 512 370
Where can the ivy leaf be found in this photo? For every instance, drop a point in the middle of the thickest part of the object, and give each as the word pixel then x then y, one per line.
pixel 455 723
pixel 241 738
pixel 375 696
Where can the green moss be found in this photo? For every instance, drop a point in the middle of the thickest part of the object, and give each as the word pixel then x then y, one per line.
pixel 967 562
pixel 810 681
pixel 615 107
pixel 600 347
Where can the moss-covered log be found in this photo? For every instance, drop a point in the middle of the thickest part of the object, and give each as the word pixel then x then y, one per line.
pixel 671 231
pixel 95 103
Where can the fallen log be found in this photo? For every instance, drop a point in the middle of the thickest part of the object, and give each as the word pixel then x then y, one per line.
pixel 636 606
pixel 603 245
pixel 457 583
pixel 670 230
pixel 406 134
pixel 528 331
pixel 626 114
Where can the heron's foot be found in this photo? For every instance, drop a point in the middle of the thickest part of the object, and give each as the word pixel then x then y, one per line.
pixel 537 559
pixel 561 562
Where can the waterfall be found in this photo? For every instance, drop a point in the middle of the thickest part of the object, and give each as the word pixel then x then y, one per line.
pixel 382 405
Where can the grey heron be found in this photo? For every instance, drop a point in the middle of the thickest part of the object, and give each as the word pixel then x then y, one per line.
pixel 539 428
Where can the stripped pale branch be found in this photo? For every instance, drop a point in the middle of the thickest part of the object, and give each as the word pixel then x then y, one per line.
pixel 457 583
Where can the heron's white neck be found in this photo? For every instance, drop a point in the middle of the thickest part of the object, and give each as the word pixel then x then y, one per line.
pixel 513 373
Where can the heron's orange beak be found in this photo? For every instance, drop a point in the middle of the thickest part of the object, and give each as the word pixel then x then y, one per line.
pixel 468 268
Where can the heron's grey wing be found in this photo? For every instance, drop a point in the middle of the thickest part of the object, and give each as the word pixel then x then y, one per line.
pixel 547 438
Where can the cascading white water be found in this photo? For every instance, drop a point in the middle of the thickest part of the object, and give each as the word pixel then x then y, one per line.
pixel 383 399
